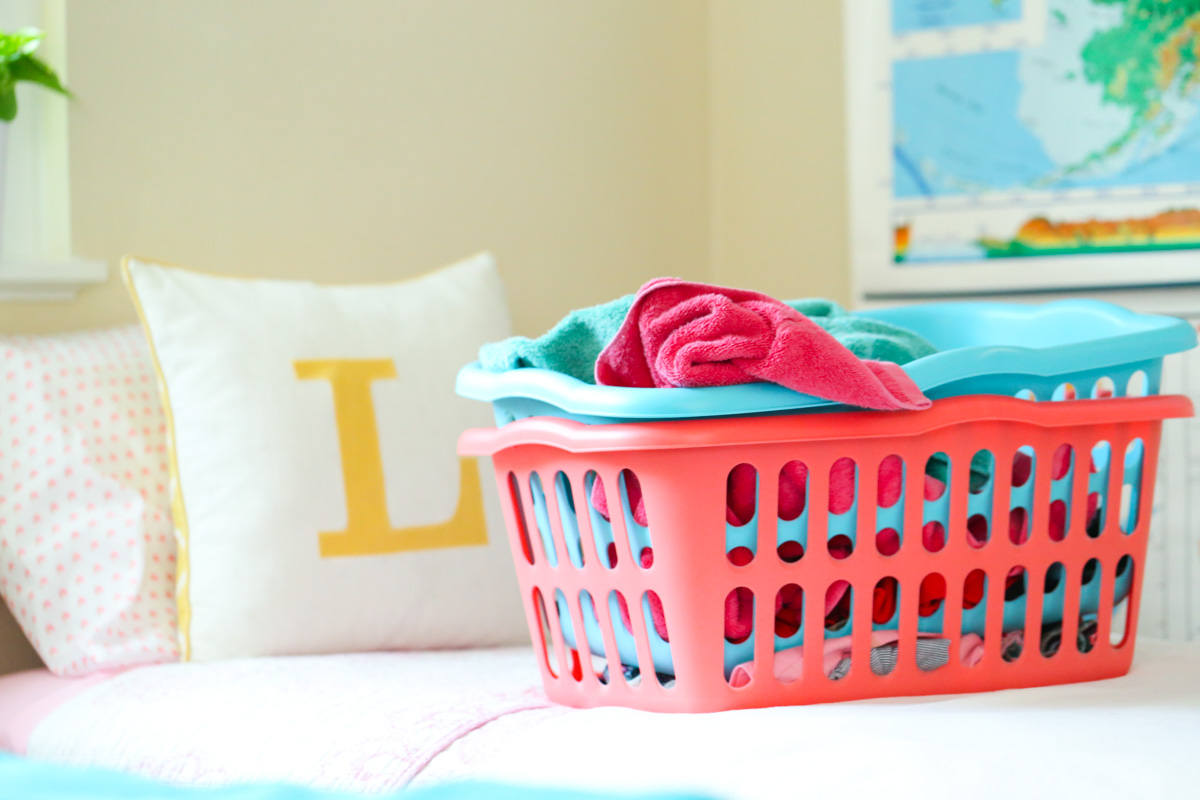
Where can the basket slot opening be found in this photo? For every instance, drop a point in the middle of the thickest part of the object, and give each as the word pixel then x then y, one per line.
pixel 1062 474
pixel 645 648
pixel 983 471
pixel 636 516
pixel 981 491
pixel 595 637
pixel 741 514
pixel 931 602
pixel 1103 388
pixel 1089 601
pixel 885 604
pixel 541 515
pixel 938 468
pixel 885 615
pixel 931 649
pixel 1138 385
pixel 549 656
pixel 843 507
pixel 839 610
pixel 612 636
pixel 739 636
pixel 569 519
pixel 889 505
pixel 602 532
pixel 1059 512
pixel 658 638
pixel 792 527
pixel 789 633
pixel 1131 485
pixel 571 640
pixel 1122 590
pixel 1064 391
pixel 622 626
pixel 1097 500
pixel 974 613
pixel 1053 595
pixel 1016 593
pixel 632 518
pixel 518 507
pixel 1020 509
pixel 977 530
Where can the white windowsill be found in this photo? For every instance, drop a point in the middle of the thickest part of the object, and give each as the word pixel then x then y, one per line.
pixel 40 281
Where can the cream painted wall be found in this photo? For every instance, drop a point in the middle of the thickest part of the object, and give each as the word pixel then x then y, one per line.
pixel 378 139
pixel 590 144
pixel 778 219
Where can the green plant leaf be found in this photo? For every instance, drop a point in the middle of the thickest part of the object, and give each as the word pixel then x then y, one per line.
pixel 34 70
pixel 8 105
pixel 20 43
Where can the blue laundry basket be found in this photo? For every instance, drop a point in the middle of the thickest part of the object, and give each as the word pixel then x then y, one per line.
pixel 1060 350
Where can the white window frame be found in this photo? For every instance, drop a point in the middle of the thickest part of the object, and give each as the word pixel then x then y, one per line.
pixel 36 261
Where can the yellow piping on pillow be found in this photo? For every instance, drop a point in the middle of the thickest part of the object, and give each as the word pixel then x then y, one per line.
pixel 183 606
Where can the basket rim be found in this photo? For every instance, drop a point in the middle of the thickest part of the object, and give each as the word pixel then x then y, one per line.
pixel 577 437
pixel 1117 338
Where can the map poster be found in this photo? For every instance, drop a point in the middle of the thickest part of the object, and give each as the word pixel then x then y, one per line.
pixel 1014 145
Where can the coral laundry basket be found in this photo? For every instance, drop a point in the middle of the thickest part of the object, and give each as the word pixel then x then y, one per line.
pixel 600 606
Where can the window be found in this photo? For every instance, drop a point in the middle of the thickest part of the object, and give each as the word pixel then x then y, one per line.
pixel 35 210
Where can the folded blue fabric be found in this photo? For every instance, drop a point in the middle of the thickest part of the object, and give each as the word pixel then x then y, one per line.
pixel 573 345
pixel 21 779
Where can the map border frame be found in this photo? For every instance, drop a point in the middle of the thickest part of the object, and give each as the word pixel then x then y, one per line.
pixel 869 50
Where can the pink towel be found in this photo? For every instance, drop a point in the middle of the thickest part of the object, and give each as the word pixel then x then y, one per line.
pixel 679 333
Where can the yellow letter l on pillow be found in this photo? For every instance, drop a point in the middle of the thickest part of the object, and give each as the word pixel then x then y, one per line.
pixel 368 530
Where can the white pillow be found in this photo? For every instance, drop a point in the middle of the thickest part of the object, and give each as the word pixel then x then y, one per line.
pixel 320 504
pixel 87 559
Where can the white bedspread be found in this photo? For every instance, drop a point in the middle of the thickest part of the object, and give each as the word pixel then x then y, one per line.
pixel 1129 738
pixel 367 722
pixel 376 722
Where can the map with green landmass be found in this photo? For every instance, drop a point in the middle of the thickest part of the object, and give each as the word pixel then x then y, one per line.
pixel 1108 98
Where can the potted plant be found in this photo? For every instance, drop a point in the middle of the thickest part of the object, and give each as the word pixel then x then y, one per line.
pixel 17 64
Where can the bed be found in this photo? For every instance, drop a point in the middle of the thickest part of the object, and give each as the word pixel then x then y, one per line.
pixel 410 715
pixel 381 721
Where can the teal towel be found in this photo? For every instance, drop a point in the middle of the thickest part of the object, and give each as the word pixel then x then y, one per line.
pixel 573 345
pixel 867 338
pixel 982 464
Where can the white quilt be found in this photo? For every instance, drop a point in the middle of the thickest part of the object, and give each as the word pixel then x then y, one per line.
pixel 376 722
pixel 367 722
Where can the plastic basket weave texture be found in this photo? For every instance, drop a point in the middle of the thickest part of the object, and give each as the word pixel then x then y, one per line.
pixel 683 467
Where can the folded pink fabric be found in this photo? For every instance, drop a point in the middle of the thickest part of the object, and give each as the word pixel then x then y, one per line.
pixel 679 333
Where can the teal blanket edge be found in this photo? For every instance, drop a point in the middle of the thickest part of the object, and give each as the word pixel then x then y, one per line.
pixel 25 779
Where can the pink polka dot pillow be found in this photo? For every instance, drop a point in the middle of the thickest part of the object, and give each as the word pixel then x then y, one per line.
pixel 87 554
